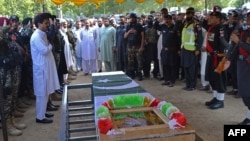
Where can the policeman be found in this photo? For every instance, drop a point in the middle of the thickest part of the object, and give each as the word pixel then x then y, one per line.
pixel 169 52
pixel 191 43
pixel 135 45
pixel 216 45
pixel 243 65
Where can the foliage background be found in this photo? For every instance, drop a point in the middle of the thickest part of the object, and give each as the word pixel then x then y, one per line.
pixel 29 8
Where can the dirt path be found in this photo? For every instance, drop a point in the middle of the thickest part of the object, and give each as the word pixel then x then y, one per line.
pixel 207 123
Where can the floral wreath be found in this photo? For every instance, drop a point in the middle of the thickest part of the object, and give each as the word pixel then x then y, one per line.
pixel 176 118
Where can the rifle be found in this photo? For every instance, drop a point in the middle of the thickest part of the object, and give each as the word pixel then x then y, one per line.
pixel 221 65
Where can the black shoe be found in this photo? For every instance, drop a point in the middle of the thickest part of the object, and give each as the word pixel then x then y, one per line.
pixel 51 108
pixel 85 74
pixel 49 115
pixel 208 103
pixel 246 121
pixel 45 120
pixel 217 105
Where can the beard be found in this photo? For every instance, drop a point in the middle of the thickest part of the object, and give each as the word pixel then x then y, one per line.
pixel 64 29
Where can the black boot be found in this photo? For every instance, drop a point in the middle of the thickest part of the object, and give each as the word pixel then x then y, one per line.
pixel 216 105
pixel 208 103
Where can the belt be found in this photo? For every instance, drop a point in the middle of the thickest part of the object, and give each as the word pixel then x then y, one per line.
pixel 218 54
pixel 244 58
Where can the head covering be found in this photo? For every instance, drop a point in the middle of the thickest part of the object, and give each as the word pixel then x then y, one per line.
pixel 216 14
pixel 190 10
pixel 14 18
pixel 63 21
pixel 132 15
pixel 4 20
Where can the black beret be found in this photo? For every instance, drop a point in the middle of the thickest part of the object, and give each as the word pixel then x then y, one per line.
pixel 132 15
pixel 216 14
pixel 190 10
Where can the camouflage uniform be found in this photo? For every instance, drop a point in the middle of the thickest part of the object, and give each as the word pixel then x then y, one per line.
pixel 6 79
pixel 17 69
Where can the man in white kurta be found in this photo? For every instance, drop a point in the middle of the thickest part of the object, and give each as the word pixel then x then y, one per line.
pixel 88 47
pixel 78 50
pixel 107 46
pixel 45 78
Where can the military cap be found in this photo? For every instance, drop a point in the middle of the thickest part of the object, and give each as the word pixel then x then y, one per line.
pixel 216 14
pixel 190 10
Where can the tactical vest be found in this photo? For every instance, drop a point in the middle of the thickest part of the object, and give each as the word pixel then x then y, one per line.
pixel 150 35
pixel 188 37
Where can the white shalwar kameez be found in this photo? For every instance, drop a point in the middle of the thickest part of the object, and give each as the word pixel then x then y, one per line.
pixel 78 49
pixel 88 47
pixel 45 78
pixel 67 51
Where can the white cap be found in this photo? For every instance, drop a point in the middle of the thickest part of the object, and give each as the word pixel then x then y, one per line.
pixel 63 21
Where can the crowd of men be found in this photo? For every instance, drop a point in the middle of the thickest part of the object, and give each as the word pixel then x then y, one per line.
pixel 185 46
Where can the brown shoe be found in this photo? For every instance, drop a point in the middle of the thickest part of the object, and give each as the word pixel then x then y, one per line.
pixel 18 114
pixel 56 97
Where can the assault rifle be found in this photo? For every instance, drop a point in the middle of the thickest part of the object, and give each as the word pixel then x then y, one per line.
pixel 221 65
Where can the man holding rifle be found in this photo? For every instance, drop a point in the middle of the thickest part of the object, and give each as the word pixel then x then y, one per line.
pixel 216 45
pixel 242 51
